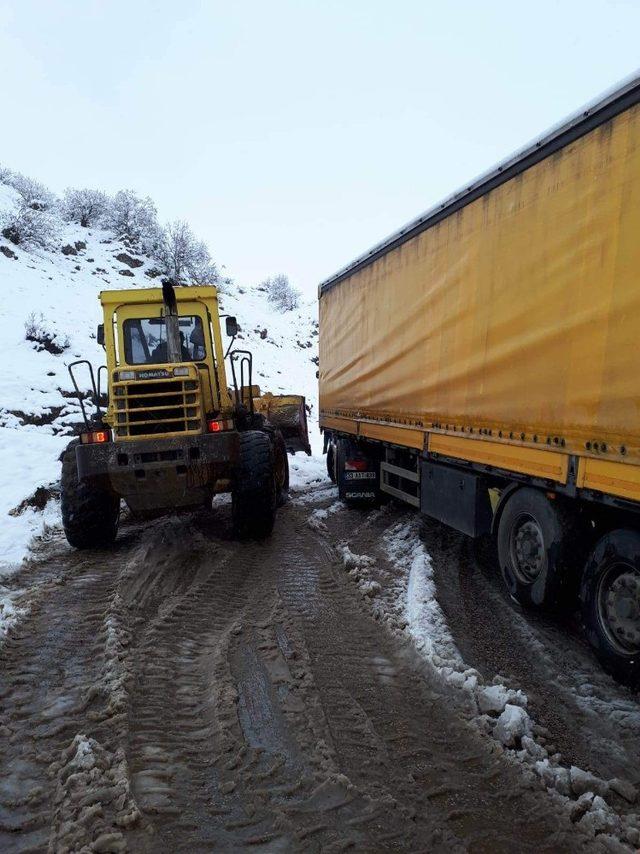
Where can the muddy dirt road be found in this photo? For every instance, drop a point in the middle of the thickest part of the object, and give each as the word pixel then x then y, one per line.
pixel 189 693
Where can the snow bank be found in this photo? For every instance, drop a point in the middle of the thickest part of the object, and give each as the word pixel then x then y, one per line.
pixel 29 459
pixel 498 710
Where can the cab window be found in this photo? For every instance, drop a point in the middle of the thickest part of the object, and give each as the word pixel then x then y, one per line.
pixel 145 340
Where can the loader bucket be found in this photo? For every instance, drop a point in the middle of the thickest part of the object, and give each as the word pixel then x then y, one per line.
pixel 288 413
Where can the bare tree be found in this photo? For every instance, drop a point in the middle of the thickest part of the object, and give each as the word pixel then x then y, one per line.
pixel 29 227
pixel 133 219
pixel 183 258
pixel 281 293
pixel 86 207
pixel 34 194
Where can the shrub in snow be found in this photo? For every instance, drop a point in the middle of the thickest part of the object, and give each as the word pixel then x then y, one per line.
pixel 34 194
pixel 133 220
pixel 44 339
pixel 183 258
pixel 86 207
pixel 29 227
pixel 281 293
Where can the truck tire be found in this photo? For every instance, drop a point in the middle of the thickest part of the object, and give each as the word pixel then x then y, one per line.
pixel 89 514
pixel 535 537
pixel 281 469
pixel 610 600
pixel 253 499
pixel 331 462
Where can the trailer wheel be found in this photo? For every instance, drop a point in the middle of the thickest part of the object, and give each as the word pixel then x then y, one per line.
pixel 253 499
pixel 610 599
pixel 89 515
pixel 281 469
pixel 535 535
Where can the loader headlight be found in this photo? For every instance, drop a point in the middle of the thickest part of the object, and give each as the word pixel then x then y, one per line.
pixel 181 372
pixel 126 375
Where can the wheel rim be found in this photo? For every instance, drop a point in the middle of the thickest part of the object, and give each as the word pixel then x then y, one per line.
pixel 527 549
pixel 618 601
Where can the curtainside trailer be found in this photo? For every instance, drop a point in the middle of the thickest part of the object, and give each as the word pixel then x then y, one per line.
pixel 482 365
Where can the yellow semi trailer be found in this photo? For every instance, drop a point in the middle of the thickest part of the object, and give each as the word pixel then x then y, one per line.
pixel 482 364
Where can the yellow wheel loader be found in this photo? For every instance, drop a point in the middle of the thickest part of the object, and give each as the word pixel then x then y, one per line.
pixel 174 433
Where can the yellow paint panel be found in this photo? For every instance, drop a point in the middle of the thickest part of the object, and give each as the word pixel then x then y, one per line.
pixel 537 463
pixel 610 477
pixel 344 424
pixel 396 435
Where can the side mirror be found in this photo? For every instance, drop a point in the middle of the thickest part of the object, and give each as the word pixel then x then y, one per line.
pixel 100 334
pixel 232 327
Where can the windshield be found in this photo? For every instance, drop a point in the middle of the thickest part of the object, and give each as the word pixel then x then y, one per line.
pixel 145 340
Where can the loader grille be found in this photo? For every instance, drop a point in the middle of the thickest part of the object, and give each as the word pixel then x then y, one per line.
pixel 157 407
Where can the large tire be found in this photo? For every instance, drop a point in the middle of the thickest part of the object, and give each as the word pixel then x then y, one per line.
pixel 89 515
pixel 281 469
pixel 610 599
pixel 536 538
pixel 254 491
pixel 331 462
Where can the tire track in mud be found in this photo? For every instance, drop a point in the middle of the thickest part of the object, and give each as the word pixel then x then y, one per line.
pixel 50 669
pixel 189 693
pixel 404 737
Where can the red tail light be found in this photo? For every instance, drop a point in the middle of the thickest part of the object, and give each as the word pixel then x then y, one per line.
pixel 96 437
pixel 356 465
pixel 215 425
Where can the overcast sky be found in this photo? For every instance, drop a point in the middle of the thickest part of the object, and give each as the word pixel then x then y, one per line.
pixel 294 134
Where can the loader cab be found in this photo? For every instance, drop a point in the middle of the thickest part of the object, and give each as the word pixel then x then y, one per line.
pixel 152 394
pixel 145 340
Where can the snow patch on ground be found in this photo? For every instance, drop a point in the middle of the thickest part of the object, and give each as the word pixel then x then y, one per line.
pixel 306 472
pixel 10 613
pixel 317 518
pixel 359 570
pixel 29 459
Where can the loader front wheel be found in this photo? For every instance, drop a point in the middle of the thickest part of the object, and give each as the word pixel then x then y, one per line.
pixel 254 492
pixel 89 515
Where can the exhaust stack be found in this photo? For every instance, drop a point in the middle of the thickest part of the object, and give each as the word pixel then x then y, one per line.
pixel 174 350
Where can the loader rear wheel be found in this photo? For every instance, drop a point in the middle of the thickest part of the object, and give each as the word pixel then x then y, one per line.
pixel 254 492
pixel 89 515
pixel 281 469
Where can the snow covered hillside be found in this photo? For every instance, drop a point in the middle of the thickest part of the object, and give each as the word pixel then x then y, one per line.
pixel 51 297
